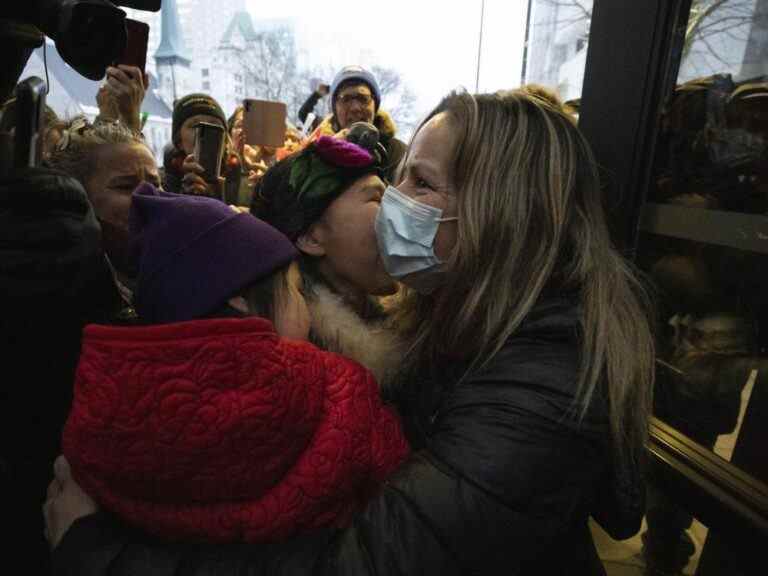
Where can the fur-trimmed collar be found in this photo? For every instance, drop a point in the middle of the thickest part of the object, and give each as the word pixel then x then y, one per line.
pixel 336 328
pixel 383 121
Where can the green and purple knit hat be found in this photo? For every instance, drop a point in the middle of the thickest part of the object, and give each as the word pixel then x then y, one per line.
pixel 294 193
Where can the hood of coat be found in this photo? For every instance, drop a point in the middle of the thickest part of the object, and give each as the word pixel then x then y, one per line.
pixel 219 430
pixel 161 376
pixel 337 328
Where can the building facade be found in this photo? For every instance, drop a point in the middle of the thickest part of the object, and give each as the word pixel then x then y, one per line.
pixel 197 32
pixel 557 45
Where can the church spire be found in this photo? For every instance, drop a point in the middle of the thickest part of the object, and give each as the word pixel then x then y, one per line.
pixel 171 50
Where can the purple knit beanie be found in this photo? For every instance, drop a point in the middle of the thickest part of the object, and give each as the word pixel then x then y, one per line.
pixel 195 253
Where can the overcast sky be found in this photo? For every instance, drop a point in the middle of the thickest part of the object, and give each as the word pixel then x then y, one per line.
pixel 432 43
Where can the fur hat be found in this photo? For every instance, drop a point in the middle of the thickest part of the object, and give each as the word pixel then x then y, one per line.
pixel 195 253
pixel 358 74
pixel 192 105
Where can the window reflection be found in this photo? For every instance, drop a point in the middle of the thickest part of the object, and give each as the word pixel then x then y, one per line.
pixel 556 53
pixel 713 147
pixel 712 332
pixel 703 253
pixel 725 36
pixel 712 353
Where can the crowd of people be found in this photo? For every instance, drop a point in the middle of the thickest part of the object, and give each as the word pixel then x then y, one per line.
pixel 345 355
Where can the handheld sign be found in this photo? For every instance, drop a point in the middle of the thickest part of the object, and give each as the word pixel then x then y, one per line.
pixel 264 123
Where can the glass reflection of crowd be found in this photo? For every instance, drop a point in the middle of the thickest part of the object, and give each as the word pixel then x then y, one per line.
pixel 713 147
pixel 712 154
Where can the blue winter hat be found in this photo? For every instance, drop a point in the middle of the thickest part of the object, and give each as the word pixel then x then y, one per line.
pixel 357 73
pixel 196 252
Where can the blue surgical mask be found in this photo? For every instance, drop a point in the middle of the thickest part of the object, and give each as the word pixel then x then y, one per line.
pixel 405 231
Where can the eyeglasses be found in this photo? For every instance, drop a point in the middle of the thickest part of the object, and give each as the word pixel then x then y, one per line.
pixel 362 99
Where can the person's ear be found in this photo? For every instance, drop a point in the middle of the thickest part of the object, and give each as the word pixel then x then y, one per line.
pixel 311 242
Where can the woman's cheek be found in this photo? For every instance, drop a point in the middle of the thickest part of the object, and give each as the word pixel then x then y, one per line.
pixel 370 229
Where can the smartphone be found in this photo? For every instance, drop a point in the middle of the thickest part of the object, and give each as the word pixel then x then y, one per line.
pixel 136 41
pixel 264 123
pixel 30 119
pixel 209 149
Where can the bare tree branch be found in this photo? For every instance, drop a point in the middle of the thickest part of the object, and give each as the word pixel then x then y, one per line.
pixel 270 65
pixel 713 53
pixel 730 21
pixel 399 99
pixel 713 30
pixel 712 18
pixel 575 11
pixel 586 13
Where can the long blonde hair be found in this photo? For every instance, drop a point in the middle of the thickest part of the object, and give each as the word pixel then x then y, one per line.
pixel 531 223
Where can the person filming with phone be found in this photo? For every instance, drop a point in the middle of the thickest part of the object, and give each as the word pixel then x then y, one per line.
pixel 184 173
pixel 356 97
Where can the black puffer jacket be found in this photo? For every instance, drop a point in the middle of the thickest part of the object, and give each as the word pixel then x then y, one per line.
pixel 502 481
pixel 53 280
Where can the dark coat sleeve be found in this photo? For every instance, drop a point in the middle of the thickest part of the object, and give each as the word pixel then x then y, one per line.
pixel 171 176
pixel 505 478
pixel 309 106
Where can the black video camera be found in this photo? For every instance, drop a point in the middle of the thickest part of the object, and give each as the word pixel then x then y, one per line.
pixel 89 34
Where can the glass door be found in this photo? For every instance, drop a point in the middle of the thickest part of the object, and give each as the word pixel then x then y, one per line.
pixel 704 245
pixel 675 104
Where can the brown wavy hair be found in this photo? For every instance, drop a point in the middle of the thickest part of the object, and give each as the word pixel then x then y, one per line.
pixel 531 223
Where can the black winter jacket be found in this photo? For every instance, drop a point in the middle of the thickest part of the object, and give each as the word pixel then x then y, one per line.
pixel 502 480
pixel 308 107
pixel 53 280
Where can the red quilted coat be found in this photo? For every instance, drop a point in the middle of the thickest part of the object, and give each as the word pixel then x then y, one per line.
pixel 220 430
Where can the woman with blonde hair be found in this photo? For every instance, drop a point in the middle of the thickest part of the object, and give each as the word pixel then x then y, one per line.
pixel 526 388
pixel 110 161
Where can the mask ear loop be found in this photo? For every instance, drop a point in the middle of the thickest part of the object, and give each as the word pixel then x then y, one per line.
pixel 448 219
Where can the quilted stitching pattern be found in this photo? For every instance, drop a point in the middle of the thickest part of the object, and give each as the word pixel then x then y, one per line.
pixel 220 430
